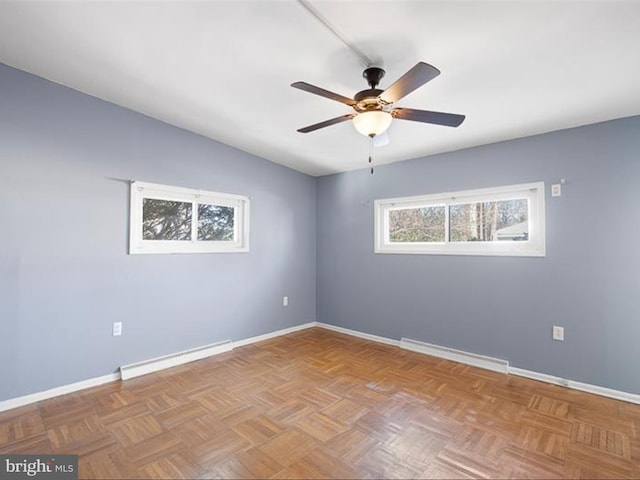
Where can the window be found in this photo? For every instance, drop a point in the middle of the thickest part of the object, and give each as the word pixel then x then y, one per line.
pixel 167 219
pixel 490 221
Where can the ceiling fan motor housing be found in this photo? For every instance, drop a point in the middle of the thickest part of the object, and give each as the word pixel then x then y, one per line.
pixel 367 100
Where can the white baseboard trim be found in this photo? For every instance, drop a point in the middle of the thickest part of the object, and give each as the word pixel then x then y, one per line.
pixel 468 357
pixel 56 392
pixel 147 366
pixel 277 333
pixel 355 333
pixel 167 361
pixel 480 361
pixel 413 345
pixel 583 387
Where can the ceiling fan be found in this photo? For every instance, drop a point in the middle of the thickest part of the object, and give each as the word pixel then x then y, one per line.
pixel 373 108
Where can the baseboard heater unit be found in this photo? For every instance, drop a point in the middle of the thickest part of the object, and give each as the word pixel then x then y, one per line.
pixel 160 363
pixel 481 361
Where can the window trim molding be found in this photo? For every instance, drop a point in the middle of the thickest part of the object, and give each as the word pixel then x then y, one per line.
pixel 141 190
pixel 534 247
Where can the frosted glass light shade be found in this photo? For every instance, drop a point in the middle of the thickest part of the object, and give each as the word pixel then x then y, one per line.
pixel 372 123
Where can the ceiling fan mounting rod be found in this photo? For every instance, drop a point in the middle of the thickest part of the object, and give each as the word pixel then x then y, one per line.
pixel 373 76
pixel 307 5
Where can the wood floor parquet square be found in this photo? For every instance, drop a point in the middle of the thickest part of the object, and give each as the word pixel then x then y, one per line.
pixel 381 462
pixel 603 440
pixel 439 469
pixel 106 465
pixel 179 414
pixel 200 430
pixel 177 465
pixel 539 440
pixel 75 432
pixel 318 404
pixel 259 429
pixel 319 463
pixel 345 411
pixel 125 414
pixel 377 426
pixel 29 445
pixel 253 463
pixel 26 425
pixel 317 397
pixel 289 446
pixel 137 430
pixel 414 445
pixel 321 427
pixel 469 463
pixel 153 448
pixel 111 402
pixel 549 406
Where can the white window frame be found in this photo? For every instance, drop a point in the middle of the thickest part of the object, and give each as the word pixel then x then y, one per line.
pixel 534 246
pixel 142 190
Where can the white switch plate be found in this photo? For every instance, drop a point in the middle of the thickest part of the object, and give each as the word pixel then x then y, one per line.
pixel 285 301
pixel 556 190
pixel 558 333
pixel 117 329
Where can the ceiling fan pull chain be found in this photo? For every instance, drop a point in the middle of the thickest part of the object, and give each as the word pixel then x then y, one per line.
pixel 371 145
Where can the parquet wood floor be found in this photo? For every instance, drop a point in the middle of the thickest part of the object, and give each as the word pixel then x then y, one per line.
pixel 317 404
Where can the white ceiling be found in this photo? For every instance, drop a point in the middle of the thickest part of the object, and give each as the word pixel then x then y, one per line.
pixel 223 68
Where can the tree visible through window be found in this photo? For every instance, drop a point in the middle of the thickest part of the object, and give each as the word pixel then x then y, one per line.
pixel 493 221
pixel 215 222
pixel 424 224
pixel 489 221
pixel 167 219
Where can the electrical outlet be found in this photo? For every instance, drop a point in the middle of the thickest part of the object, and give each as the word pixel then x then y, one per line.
pixel 558 333
pixel 117 329
pixel 285 301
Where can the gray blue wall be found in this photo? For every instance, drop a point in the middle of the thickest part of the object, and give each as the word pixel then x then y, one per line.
pixel 504 307
pixel 65 274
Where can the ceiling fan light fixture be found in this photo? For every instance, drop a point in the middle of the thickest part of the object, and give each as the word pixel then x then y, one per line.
pixel 372 122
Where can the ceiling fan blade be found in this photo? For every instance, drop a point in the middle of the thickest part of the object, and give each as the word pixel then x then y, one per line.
pixel 326 123
pixel 420 74
pixel 307 87
pixel 381 140
pixel 425 116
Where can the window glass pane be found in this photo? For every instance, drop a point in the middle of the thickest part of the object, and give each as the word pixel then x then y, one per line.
pixel 489 221
pixel 215 222
pixel 425 224
pixel 166 220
